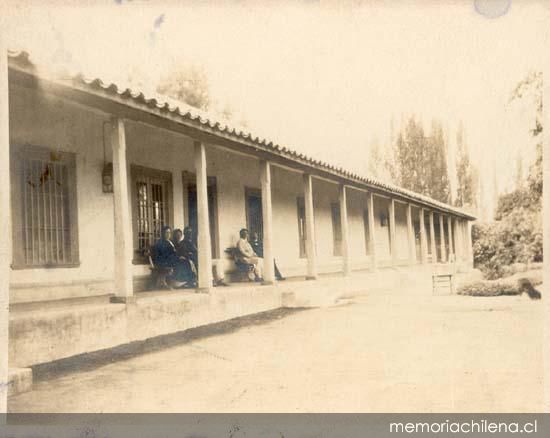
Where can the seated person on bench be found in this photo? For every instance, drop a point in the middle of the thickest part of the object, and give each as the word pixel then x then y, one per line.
pixel 185 270
pixel 164 257
pixel 187 250
pixel 246 255
pixel 258 248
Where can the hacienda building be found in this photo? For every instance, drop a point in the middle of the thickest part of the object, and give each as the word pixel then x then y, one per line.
pixel 93 172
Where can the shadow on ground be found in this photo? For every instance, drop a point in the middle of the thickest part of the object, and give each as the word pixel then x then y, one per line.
pixel 96 359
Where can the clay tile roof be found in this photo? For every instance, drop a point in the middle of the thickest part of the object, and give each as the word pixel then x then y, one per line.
pixel 210 121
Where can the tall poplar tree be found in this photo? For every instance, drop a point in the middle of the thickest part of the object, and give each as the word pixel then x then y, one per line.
pixel 466 173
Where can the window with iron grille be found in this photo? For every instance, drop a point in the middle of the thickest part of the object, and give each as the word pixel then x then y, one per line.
pixel 44 208
pixel 151 207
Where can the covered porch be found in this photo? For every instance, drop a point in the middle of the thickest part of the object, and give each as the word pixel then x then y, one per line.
pixel 95 171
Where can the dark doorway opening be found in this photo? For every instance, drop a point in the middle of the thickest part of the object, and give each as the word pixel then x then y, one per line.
pixel 192 218
pixel 254 218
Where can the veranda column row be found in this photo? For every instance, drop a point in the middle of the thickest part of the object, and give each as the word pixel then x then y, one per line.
pixel 123 226
pixel 124 241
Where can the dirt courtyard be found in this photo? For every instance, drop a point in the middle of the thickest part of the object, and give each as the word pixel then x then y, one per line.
pixel 385 352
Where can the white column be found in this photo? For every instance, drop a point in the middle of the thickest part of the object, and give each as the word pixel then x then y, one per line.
pixel 121 207
pixel 410 236
pixel 464 244
pixel 344 226
pixel 442 239
pixel 310 229
pixel 432 238
pixel 5 228
pixel 267 216
pixel 372 237
pixel 393 246
pixel 450 233
pixel 423 240
pixel 203 221
pixel 458 239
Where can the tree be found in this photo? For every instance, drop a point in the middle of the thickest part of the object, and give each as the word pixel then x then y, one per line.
pixel 381 164
pixel 516 235
pixel 421 161
pixel 466 173
pixel 187 84
pixel 437 172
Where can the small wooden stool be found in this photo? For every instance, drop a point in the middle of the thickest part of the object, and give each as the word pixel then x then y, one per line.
pixel 443 284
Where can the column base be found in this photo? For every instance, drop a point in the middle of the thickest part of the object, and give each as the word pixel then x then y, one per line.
pixel 124 300
pixel 268 283
pixel 203 290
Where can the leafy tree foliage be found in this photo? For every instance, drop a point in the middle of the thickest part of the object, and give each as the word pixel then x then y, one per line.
pixel 187 84
pixel 516 235
pixel 421 160
pixel 466 173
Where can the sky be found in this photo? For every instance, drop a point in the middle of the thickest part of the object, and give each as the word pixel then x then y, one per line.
pixel 323 77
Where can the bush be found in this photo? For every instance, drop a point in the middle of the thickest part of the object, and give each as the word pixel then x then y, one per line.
pixel 516 236
pixel 515 239
pixel 493 288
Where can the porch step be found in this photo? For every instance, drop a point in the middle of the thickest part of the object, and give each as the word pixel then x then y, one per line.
pixel 19 380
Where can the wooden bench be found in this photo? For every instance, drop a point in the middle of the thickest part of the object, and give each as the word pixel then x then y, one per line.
pixel 159 274
pixel 245 271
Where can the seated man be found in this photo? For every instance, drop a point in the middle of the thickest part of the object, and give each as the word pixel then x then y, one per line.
pixel 246 255
pixel 258 248
pixel 187 249
pixel 164 257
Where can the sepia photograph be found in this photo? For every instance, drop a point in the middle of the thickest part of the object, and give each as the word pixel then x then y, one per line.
pixel 262 207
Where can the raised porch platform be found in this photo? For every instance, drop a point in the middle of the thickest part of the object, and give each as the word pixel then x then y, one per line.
pixel 49 331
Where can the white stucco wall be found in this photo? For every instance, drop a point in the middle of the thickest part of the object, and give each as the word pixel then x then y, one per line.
pixel 41 120
pixel 325 194
pixel 357 206
pixel 60 125
pixel 287 186
pixel 381 206
pixel 401 234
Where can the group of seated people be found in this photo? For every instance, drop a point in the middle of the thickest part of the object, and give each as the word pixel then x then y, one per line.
pixel 176 254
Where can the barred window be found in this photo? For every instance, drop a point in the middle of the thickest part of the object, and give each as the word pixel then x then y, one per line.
pixel 44 208
pixel 151 201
